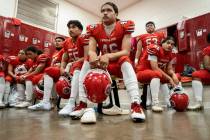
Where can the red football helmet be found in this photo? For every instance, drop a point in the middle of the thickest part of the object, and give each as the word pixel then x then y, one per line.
pixel 39 90
pixel 179 100
pixel 63 87
pixel 97 84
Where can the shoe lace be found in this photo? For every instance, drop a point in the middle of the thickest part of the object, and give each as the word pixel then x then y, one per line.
pixel 136 107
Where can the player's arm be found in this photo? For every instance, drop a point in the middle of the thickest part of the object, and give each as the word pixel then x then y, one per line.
pixel 10 70
pixel 92 49
pixel 138 51
pixel 38 69
pixel 206 62
pixel 171 72
pixel 64 60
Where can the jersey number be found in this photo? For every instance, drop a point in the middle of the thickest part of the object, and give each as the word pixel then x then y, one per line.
pixel 111 48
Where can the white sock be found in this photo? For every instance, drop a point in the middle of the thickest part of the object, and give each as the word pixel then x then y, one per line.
pixel 48 86
pixel 7 92
pixel 130 80
pixel 84 70
pixel 165 91
pixel 197 88
pixel 20 91
pixel 29 91
pixel 2 88
pixel 74 85
pixel 155 86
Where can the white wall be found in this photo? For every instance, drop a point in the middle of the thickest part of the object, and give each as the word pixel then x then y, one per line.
pixel 66 12
pixel 163 12
pixel 8 8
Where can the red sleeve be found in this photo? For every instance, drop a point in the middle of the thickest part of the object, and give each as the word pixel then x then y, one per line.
pixel 43 58
pixel 140 37
pixel 84 40
pixel 153 49
pixel 128 26
pixel 206 51
pixel 13 60
pixel 90 29
pixel 65 44
pixel 1 58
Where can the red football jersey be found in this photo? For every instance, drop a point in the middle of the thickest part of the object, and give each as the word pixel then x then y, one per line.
pixel 20 67
pixel 42 58
pixel 163 57
pixel 113 42
pixel 75 50
pixel 2 63
pixel 206 51
pixel 57 57
pixel 148 39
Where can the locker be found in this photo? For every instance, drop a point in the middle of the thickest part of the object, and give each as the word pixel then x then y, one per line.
pixel 1 34
pixel 10 37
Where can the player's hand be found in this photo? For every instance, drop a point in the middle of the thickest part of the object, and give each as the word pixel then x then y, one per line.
pixel 94 64
pixel 171 81
pixel 104 61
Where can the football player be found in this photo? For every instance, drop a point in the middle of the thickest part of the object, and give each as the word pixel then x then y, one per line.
pixel 113 39
pixel 17 66
pixel 2 80
pixel 201 77
pixel 144 40
pixel 34 74
pixel 156 68
pixel 73 53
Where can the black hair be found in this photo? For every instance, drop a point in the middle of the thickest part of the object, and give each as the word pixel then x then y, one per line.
pixel 114 6
pixel 60 37
pixel 168 38
pixel 39 52
pixel 208 38
pixel 150 22
pixel 32 49
pixel 76 23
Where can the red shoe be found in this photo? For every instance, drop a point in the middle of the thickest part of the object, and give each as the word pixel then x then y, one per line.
pixel 137 113
pixel 78 110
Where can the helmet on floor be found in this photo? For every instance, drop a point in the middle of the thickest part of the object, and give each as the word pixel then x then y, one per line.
pixel 179 100
pixel 39 90
pixel 97 85
pixel 63 86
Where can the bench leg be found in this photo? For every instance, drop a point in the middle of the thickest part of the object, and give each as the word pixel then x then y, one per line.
pixel 58 102
pixel 144 97
pixel 115 91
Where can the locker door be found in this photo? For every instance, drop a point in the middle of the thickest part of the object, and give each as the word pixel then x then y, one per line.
pixel 25 36
pixel 37 37
pixel 1 34
pixel 10 37
pixel 48 42
pixel 182 36
pixel 200 26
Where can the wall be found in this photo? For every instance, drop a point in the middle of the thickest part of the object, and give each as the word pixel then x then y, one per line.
pixel 8 8
pixel 163 12
pixel 66 12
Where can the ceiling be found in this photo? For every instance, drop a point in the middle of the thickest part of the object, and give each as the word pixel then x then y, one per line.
pixel 93 6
